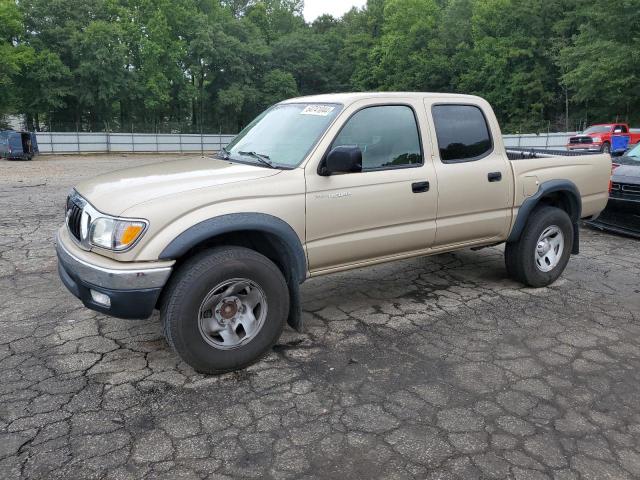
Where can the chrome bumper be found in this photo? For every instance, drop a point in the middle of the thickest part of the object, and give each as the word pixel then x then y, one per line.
pixel 595 148
pixel 131 293
pixel 115 279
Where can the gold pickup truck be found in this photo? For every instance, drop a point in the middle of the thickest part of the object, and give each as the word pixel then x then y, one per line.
pixel 313 186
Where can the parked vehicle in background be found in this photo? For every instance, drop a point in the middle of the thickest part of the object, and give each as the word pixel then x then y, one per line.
pixel 598 138
pixel 622 214
pixel 18 145
pixel 314 186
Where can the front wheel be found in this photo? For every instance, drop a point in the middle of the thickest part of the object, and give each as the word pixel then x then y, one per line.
pixel 606 147
pixel 542 253
pixel 224 309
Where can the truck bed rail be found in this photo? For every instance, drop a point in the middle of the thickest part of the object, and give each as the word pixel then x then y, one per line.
pixel 528 153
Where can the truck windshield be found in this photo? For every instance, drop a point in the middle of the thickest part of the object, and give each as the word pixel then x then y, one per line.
pixel 634 153
pixel 283 135
pixel 597 129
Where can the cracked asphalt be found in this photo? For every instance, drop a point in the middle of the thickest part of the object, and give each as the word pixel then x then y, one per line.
pixel 430 368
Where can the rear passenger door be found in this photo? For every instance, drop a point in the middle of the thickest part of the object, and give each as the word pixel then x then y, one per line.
pixel 474 175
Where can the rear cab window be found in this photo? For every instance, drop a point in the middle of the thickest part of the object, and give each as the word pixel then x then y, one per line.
pixel 462 133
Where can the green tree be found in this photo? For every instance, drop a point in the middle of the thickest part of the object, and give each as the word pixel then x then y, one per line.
pixel 511 61
pixel 277 86
pixel 43 86
pixel 13 57
pixel 602 65
pixel 200 65
pixel 409 55
pixel 100 74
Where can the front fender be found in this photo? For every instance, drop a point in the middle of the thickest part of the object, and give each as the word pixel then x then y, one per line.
pixel 239 222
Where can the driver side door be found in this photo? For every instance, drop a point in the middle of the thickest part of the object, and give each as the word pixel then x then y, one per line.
pixel 389 208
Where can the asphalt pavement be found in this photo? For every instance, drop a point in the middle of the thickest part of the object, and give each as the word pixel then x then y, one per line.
pixel 429 368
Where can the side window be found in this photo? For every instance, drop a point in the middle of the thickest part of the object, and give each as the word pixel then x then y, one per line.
pixel 620 129
pixel 387 135
pixel 463 133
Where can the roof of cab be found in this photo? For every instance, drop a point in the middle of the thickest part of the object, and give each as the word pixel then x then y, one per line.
pixel 348 98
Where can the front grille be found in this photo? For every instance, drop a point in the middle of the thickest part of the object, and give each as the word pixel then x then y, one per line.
pixel 74 217
pixel 626 189
pixel 574 140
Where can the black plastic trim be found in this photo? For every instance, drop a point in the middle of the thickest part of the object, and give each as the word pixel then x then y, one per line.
pixel 420 187
pixel 126 304
pixel 619 229
pixel 241 222
pixel 530 204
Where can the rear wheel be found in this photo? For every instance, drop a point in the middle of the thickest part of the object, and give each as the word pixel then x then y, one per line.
pixel 224 309
pixel 544 248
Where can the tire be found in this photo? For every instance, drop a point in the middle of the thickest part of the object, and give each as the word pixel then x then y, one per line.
pixel 606 147
pixel 532 267
pixel 235 281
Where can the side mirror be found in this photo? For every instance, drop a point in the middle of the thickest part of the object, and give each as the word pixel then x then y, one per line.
pixel 344 159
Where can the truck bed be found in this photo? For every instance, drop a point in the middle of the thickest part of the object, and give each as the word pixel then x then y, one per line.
pixel 589 172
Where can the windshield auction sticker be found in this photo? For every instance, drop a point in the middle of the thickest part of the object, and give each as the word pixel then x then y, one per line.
pixel 319 110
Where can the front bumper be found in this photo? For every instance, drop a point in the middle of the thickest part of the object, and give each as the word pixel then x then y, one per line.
pixel 621 216
pixel 133 293
pixel 584 147
pixel 624 204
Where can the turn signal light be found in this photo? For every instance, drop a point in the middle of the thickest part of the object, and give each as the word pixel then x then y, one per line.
pixel 130 234
pixel 613 169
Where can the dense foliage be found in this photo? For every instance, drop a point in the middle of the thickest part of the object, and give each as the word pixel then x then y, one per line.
pixel 211 65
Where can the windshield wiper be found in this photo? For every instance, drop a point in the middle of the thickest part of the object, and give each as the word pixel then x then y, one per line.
pixel 263 159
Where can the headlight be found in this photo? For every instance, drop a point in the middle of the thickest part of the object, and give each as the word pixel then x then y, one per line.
pixel 90 227
pixel 597 139
pixel 115 234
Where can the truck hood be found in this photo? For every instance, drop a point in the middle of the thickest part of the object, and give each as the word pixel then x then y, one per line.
pixel 627 174
pixel 626 160
pixel 115 192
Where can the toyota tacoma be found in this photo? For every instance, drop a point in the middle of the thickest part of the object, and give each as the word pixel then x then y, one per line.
pixel 313 186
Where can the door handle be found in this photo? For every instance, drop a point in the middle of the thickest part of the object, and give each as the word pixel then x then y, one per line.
pixel 420 187
pixel 495 176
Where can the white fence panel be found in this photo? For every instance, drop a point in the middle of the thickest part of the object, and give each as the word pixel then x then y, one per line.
pixel 54 142
pixel 545 141
pixel 59 142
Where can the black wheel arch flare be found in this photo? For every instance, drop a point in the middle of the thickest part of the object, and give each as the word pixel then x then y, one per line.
pixel 291 250
pixel 552 189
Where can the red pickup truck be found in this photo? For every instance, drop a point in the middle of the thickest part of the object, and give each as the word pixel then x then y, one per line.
pixel 597 138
